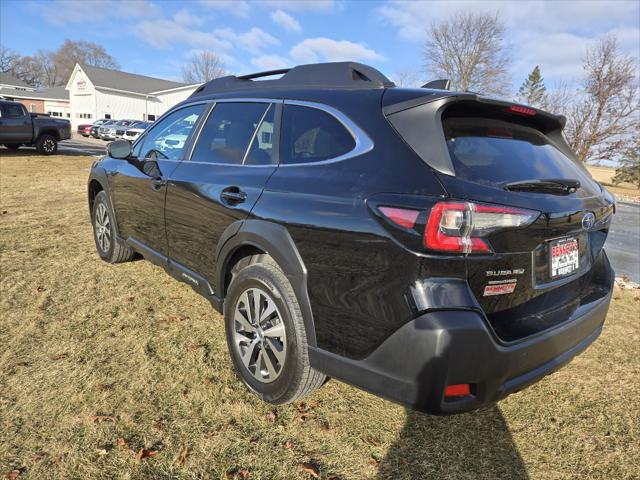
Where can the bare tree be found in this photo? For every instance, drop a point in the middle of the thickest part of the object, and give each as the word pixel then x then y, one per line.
pixel 51 69
pixel 601 122
pixel 468 48
pixel 558 99
pixel 202 67
pixel 8 59
pixel 29 70
pixel 87 53
pixel 407 77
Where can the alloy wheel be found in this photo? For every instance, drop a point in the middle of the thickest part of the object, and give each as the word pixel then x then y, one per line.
pixel 49 145
pixel 259 335
pixel 103 227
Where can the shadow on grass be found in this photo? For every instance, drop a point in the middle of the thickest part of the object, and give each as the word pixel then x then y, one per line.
pixel 466 446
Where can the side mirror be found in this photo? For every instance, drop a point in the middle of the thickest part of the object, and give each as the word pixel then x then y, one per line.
pixel 119 149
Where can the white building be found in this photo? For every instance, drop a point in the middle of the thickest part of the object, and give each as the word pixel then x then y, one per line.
pixel 96 93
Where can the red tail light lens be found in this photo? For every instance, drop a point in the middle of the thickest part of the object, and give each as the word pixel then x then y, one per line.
pixel 458 227
pixel 400 216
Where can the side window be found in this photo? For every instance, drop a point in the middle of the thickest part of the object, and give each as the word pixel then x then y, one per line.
pixel 227 133
pixel 312 135
pixel 10 110
pixel 167 138
pixel 261 149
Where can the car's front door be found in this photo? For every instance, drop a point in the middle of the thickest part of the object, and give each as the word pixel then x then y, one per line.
pixel 138 185
pixel 233 157
pixel 15 124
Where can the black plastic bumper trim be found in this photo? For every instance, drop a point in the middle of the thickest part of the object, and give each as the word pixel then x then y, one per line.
pixel 415 364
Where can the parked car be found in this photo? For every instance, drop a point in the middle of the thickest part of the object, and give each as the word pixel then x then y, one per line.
pixel 19 127
pixel 122 126
pixel 84 129
pixel 136 130
pixel 440 249
pixel 96 125
pixel 107 131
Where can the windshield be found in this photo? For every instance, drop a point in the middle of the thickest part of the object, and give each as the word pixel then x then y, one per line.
pixel 495 152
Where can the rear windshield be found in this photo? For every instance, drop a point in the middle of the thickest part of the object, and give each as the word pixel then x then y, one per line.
pixel 494 152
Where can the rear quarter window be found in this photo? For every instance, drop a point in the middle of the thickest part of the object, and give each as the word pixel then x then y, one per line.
pixel 312 135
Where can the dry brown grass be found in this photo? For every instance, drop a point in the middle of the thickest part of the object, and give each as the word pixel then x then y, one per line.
pixel 102 365
pixel 604 176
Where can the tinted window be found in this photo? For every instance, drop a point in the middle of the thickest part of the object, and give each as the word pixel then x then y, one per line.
pixel 261 150
pixel 312 135
pixel 167 139
pixel 10 110
pixel 493 152
pixel 227 132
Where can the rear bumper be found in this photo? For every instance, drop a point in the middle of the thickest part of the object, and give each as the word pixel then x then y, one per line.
pixel 415 364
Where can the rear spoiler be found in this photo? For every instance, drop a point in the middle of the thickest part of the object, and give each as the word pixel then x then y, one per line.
pixel 418 121
pixel 443 98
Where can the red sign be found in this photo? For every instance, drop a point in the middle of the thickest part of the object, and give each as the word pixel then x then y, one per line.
pixel 499 289
pixel 81 85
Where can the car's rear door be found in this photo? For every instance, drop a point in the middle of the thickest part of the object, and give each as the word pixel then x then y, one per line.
pixel 233 156
pixel 138 185
pixel 15 124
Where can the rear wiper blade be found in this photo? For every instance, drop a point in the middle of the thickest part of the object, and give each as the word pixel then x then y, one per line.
pixel 549 185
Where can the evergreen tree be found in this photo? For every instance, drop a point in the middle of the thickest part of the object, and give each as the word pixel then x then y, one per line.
pixel 629 170
pixel 533 92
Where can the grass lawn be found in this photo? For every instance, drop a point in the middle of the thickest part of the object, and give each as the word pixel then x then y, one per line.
pixel 604 176
pixel 118 371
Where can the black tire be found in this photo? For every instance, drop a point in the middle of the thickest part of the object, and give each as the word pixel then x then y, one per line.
pixel 12 146
pixel 112 250
pixel 47 144
pixel 296 377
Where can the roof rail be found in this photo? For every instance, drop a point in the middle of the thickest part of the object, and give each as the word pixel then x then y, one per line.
pixel 316 75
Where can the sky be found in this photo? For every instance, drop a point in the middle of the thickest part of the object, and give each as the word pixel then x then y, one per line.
pixel 154 37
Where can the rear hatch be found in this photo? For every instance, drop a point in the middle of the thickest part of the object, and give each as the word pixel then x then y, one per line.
pixel 523 210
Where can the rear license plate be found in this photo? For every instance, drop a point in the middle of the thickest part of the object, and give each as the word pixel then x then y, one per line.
pixel 564 257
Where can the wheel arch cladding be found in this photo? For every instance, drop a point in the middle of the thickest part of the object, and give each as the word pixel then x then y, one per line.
pixel 274 240
pixel 93 189
pixel 98 178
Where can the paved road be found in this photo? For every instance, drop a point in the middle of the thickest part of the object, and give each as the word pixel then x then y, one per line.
pixel 623 242
pixel 74 146
pixel 82 147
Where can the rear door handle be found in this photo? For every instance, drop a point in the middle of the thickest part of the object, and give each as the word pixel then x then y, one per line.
pixel 233 195
pixel 157 183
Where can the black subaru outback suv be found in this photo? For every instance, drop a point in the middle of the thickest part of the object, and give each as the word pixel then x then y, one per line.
pixel 439 249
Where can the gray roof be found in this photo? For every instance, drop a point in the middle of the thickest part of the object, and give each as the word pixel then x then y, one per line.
pixel 128 82
pixel 7 78
pixel 55 93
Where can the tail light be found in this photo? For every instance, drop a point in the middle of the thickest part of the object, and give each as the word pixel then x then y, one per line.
pixel 458 227
pixel 402 217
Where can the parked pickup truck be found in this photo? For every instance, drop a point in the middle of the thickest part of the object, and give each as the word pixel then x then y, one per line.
pixel 19 127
